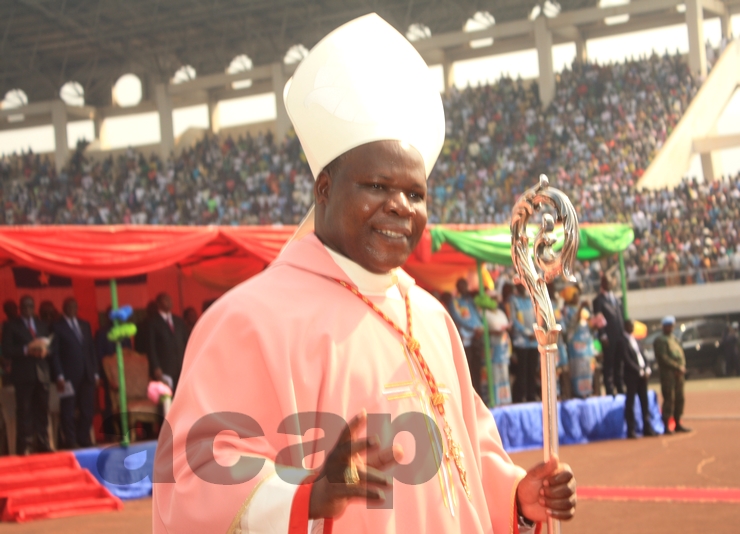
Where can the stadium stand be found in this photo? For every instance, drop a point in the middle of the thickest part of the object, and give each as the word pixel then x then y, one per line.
pixel 595 140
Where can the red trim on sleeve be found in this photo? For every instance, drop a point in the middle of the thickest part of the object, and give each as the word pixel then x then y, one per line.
pixel 299 511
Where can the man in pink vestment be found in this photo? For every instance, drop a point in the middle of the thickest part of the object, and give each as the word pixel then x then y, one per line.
pixel 334 332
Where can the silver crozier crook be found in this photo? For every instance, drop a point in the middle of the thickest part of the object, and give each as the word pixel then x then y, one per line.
pixel 551 265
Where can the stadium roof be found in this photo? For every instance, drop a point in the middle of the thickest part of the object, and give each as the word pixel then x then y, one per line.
pixel 46 43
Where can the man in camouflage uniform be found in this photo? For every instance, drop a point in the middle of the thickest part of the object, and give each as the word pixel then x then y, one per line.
pixel 672 363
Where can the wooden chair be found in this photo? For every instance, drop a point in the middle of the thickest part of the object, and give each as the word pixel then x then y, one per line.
pixel 136 370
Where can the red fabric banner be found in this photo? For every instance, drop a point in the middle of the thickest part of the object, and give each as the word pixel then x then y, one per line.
pixel 119 251
pixel 263 242
pixel 102 251
pixel 218 257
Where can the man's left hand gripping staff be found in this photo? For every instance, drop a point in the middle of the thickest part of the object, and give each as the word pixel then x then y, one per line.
pixel 548 490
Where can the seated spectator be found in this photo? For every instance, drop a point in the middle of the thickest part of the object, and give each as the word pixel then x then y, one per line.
pixel 596 139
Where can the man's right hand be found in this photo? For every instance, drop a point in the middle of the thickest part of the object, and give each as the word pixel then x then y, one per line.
pixel 60 385
pixel 158 374
pixel 331 494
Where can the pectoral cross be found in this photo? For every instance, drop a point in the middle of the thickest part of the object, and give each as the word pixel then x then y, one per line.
pixel 455 454
pixel 417 388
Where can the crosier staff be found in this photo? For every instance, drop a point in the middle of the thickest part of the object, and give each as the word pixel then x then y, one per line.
pixel 552 265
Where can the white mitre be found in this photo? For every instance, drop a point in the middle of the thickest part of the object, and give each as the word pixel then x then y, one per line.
pixel 363 82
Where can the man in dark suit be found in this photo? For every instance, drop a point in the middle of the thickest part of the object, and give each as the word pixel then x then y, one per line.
pixel 141 339
pixel 636 375
pixel 10 307
pixel 25 342
pixel 76 369
pixel 168 336
pixel 611 337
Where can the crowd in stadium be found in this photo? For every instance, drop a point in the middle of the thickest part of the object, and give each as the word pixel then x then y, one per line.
pixel 595 141
pixel 218 181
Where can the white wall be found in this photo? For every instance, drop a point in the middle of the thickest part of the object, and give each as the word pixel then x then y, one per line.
pixel 684 301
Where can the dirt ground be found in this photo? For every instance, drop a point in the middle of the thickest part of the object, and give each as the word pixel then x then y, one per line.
pixel 136 518
pixel 707 457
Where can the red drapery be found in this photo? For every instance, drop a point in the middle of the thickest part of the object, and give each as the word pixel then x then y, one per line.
pixel 218 257
pixel 121 251
pixel 211 260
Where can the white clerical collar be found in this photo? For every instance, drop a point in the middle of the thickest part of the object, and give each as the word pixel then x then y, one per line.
pixel 369 284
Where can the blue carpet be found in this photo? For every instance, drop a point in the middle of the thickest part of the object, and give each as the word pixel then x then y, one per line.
pixel 127 472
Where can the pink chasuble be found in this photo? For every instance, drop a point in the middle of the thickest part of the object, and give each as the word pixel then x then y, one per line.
pixel 292 341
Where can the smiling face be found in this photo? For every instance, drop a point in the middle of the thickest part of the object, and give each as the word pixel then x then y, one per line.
pixel 371 204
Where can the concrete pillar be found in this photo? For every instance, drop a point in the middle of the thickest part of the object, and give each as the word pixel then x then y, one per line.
pixel 282 121
pixel 711 166
pixel 213 117
pixel 695 25
pixel 448 72
pixel 166 128
pixel 98 124
pixel 61 144
pixel 543 43
pixel 711 162
pixel 726 26
pixel 581 50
